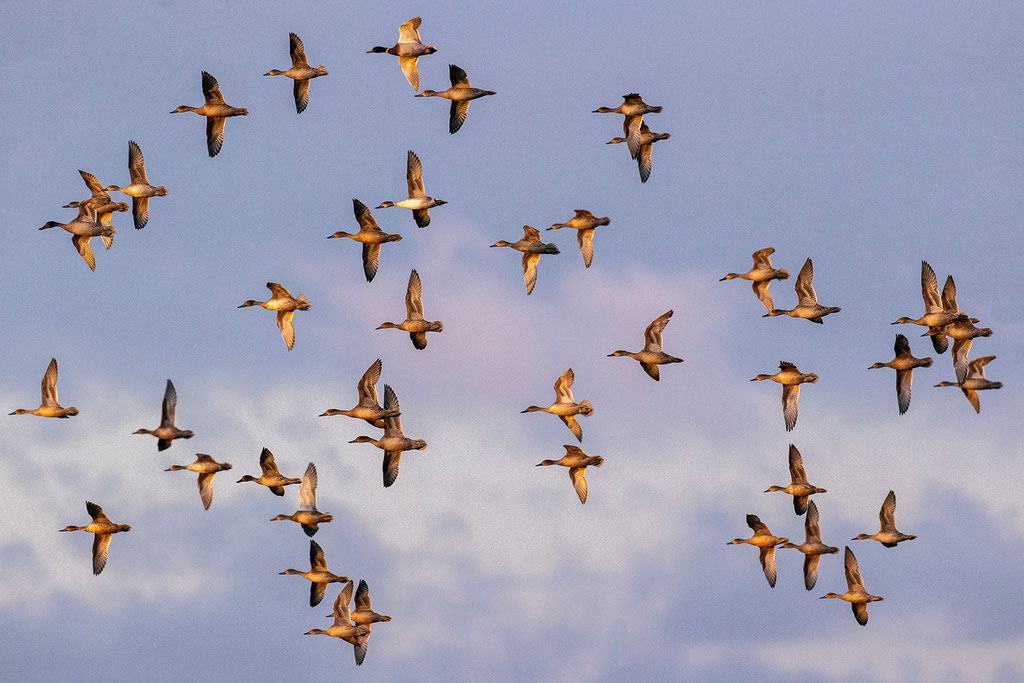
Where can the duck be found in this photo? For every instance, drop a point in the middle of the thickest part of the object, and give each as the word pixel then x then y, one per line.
pixel 393 442
pixel 790 378
pixel 584 222
pixel 167 432
pixel 139 190
pixel 761 275
pixel 342 627
pixel 207 467
pixel 577 461
pixel 408 49
pixel 317 574
pixel 532 248
pixel 270 477
pixel 216 112
pixel 307 515
pixel 807 301
pixel 49 406
pixel 414 323
pixel 633 108
pixel 565 406
pixel 962 331
pixel 83 228
pixel 798 487
pixel 938 311
pixel 887 534
pixel 368 407
pixel 363 614
pixel 975 381
pixel 812 548
pixel 371 237
pixel 766 541
pixel 651 356
pixel 904 364
pixel 643 159
pixel 300 71
pixel 103 528
pixel 417 200
pixel 855 593
pixel 460 94
pixel 282 301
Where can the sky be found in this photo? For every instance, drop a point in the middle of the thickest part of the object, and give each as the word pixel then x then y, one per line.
pixel 866 136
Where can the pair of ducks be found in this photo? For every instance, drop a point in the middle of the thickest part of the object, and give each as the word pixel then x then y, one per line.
pixel 393 442
pixel 638 137
pixel 352 626
pixel 762 273
pixel 583 221
pixel 943 319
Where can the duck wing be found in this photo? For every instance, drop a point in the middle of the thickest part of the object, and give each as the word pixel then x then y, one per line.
pixel 136 164
pixel 413 302
pixel 412 74
pixel 762 258
pixel 341 614
pixel 214 134
pixel 267 463
pixel 96 512
pixel 316 558
pixel 140 212
pixel 49 385
pixel 643 162
pixel 631 130
pixel 169 405
pixel 284 323
pixel 363 597
pixel 961 348
pixel 297 50
pixel 768 565
pixel 563 387
pixel 904 379
pixel 409 31
pixel 391 461
pixel 365 218
pixel 392 425
pixel 930 289
pixel 652 335
pixel 316 591
pixel 414 176
pixel 530 270
pixel 211 90
pixel 368 385
pixel 949 296
pixel 853 580
pixel 811 526
pixel 81 243
pixel 457 113
pixel 99 552
pixel 761 291
pixel 371 260
pixel 585 238
pixel 796 466
pixel 573 425
pixel 804 289
pixel 307 489
pixel 811 570
pixel 790 394
pixel 579 482
pixel 206 489
pixel 300 91
pixel 887 514
pixel 94 185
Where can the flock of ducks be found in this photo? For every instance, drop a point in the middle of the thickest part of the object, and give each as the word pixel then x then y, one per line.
pixel 942 319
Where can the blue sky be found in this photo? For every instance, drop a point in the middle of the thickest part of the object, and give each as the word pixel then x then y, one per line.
pixel 867 137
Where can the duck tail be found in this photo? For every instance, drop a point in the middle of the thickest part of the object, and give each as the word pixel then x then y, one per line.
pixel 586 409
pixel 598 461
